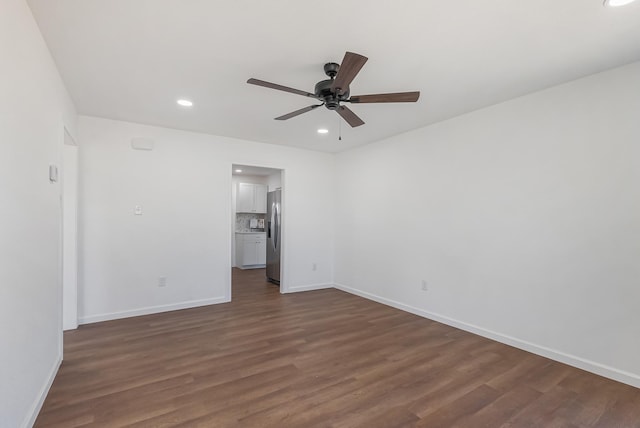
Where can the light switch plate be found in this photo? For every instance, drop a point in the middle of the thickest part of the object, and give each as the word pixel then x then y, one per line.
pixel 53 173
pixel 142 143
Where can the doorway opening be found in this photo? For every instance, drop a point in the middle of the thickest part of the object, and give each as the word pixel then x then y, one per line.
pixel 257 224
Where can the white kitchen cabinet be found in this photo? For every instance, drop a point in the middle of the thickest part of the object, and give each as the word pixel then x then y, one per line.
pixel 251 250
pixel 251 198
pixel 260 196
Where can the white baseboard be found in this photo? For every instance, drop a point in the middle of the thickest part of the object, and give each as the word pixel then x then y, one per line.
pixel 572 360
pixel 249 267
pixel 37 405
pixel 310 287
pixel 152 310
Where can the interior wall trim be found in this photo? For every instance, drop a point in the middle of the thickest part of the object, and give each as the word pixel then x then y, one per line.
pixel 310 287
pixel 553 354
pixel 30 420
pixel 151 310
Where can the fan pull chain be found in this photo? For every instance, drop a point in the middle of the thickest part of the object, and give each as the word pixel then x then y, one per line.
pixel 339 129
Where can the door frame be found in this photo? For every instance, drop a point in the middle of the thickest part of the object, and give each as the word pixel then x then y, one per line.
pixel 69 227
pixel 284 259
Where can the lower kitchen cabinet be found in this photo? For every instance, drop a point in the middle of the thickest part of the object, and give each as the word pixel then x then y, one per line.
pixel 251 250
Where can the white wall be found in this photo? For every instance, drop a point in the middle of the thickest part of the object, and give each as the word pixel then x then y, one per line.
pixel 34 110
pixel 184 188
pixel 524 219
pixel 69 190
pixel 274 181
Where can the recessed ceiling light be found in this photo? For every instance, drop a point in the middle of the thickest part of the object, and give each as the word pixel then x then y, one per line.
pixel 616 3
pixel 238 170
pixel 185 103
pixel 323 131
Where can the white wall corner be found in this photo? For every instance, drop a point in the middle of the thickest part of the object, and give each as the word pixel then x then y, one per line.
pixel 30 420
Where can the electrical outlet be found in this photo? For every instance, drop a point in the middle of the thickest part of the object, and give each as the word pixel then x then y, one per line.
pixel 162 281
pixel 425 287
pixel 314 267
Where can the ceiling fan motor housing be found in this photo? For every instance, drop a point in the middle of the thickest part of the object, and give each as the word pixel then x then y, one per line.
pixel 323 88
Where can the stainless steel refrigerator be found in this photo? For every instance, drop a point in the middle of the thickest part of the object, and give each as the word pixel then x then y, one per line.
pixel 274 212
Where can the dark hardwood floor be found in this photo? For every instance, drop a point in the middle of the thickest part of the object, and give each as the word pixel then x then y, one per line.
pixel 315 359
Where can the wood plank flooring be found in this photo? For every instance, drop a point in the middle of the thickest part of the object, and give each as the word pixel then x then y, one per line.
pixel 315 359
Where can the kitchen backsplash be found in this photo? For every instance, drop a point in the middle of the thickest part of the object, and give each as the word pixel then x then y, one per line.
pixel 243 219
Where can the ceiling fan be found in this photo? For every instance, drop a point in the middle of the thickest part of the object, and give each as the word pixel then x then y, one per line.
pixel 335 90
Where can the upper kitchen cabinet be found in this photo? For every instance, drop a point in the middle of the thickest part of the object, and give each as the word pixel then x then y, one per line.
pixel 251 198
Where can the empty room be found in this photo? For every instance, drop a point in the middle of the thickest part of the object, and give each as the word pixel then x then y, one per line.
pixel 320 214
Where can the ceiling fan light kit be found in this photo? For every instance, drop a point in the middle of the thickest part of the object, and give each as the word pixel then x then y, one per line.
pixel 334 91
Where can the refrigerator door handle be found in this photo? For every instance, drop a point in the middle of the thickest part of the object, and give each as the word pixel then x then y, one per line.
pixel 273 223
pixel 276 213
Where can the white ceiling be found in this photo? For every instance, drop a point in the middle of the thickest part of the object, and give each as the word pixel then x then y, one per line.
pixel 131 59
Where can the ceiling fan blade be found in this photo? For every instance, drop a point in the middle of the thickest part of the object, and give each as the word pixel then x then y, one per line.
pixel 280 87
pixel 398 97
pixel 351 65
pixel 349 116
pixel 298 112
